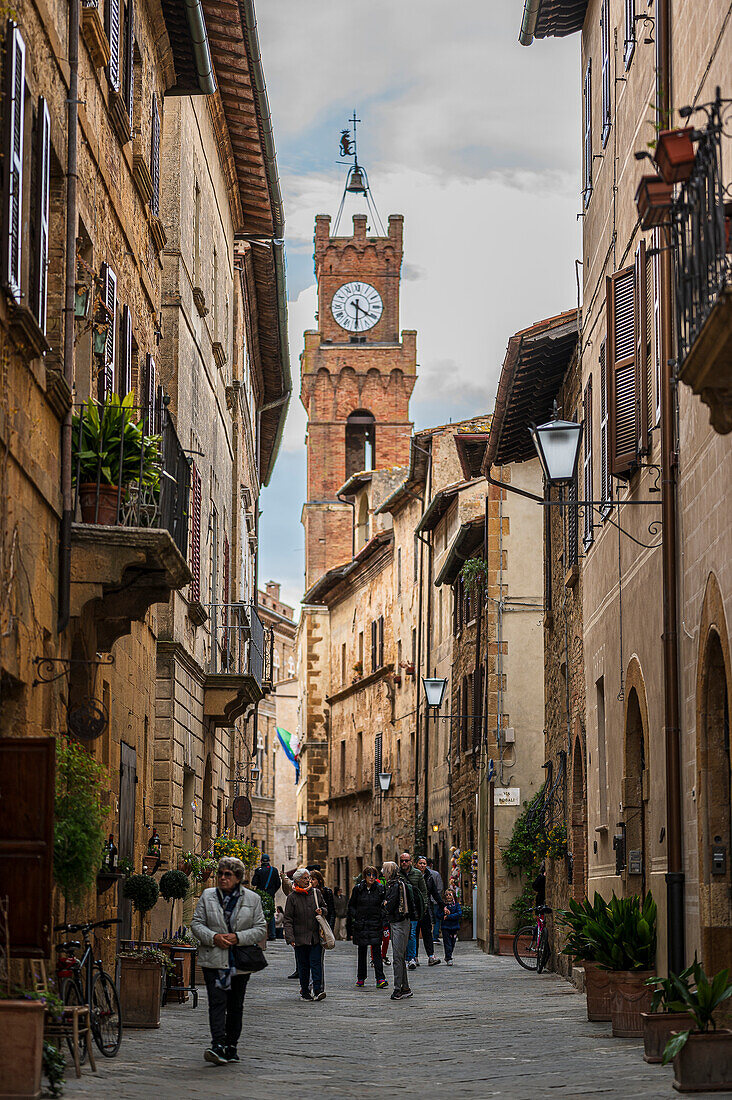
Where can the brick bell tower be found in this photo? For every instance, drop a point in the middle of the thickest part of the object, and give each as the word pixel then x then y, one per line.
pixel 357 376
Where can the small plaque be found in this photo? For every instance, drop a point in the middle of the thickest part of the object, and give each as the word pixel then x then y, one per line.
pixel 316 830
pixel 507 796
pixel 242 810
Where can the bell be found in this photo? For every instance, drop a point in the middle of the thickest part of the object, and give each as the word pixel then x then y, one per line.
pixel 355 182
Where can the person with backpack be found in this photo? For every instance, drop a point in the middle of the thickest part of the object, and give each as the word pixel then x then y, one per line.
pixel 267 878
pixel 400 908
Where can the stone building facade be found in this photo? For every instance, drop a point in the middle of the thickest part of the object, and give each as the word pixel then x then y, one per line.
pixel 89 319
pixel 655 595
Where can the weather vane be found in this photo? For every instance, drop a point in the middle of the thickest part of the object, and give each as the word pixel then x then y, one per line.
pixel 357 182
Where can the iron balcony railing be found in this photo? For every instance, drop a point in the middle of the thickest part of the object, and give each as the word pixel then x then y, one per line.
pixel 127 475
pixel 241 645
pixel 700 234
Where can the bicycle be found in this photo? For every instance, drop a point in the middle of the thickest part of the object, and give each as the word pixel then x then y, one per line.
pixel 84 982
pixel 531 943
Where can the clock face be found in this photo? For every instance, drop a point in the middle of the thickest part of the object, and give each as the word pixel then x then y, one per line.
pixel 356 306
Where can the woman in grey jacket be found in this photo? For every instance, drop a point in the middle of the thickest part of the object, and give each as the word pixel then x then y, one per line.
pixel 226 916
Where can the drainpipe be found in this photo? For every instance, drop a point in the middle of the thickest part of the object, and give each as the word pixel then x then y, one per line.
pixel 674 813
pixel 201 52
pixel 64 550
pixel 528 22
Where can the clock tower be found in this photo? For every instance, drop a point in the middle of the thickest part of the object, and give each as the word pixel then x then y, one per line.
pixel 357 375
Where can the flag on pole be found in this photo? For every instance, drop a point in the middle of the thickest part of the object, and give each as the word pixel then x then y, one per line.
pixel 291 744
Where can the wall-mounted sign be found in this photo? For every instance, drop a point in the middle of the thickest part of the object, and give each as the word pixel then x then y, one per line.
pixel 507 796
pixel 316 830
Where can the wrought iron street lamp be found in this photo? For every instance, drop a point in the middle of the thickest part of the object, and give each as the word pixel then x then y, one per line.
pixel 434 689
pixel 558 446
pixel 302 828
pixel 384 782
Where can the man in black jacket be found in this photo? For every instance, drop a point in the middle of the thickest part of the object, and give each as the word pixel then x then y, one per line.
pixel 267 878
pixel 425 921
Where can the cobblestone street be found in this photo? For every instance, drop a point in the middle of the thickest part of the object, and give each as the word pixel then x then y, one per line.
pixel 485 1028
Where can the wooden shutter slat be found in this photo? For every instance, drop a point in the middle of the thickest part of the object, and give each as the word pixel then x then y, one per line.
pixel 588 535
pixel 124 383
pixel 621 368
pixel 14 110
pixel 641 348
pixel 381 641
pixel 113 29
pixel 155 157
pixel 195 559
pixel 106 381
pixel 606 484
pixel 40 288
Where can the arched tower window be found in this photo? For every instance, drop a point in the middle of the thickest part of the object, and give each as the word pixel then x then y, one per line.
pixel 360 442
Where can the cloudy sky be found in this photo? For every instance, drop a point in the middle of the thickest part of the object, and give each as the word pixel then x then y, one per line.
pixel 475 140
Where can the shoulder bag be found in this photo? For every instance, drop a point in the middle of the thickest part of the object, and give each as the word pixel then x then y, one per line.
pixel 327 938
pixel 250 957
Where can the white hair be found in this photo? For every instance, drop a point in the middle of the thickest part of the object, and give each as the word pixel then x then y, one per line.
pixel 299 874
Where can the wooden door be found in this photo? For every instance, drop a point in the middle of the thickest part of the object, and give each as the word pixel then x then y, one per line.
pixel 27 777
pixel 127 799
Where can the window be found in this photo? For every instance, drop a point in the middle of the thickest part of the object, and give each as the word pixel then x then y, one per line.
pixel 14 108
pixel 124 379
pixel 195 555
pixel 588 536
pixel 128 61
pixel 112 26
pixel 381 641
pixel 464 713
pixel 360 442
pixel 414 648
pixel 587 129
pixel 606 73
pixel 343 663
pixel 155 158
pixel 399 658
pixel 374 644
pixel 343 765
pixel 601 749
pixel 458 711
pixel 359 759
pixel 398 757
pixel 106 375
pixel 572 524
pixel 629 46
pixel 657 324
pixel 378 764
pixel 415 564
pixel 627 345
pixel 399 571
pixel 151 397
pixel 606 481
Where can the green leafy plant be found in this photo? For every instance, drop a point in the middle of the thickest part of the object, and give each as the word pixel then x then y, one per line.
pixel 574 922
pixel 523 855
pixel 268 904
pixel 143 891
pixel 49 997
pixel 174 885
pixel 97 441
pixel 125 866
pixel 248 853
pixel 474 573
pixel 553 843
pixel 700 996
pixel 620 934
pixel 81 807
pixel 465 861
pixel 54 1068
pixel 664 990
pixel 149 955
pixel 467 912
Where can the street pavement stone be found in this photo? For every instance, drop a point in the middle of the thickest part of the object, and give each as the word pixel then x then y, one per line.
pixel 482 1028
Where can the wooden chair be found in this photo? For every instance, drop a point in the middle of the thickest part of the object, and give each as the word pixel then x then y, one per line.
pixel 74 1025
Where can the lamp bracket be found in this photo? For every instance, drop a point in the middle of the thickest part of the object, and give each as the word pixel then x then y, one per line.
pixel 46 673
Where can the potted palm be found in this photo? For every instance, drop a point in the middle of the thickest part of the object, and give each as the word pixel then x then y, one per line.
pixel 111 452
pixel 702 1054
pixel 580 945
pixel 625 945
pixel 662 1020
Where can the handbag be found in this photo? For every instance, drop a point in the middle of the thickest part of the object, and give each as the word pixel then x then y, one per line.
pixel 327 938
pixel 250 958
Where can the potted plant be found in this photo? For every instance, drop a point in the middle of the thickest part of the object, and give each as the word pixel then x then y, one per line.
pixel 140 972
pixel 81 806
pixel 206 869
pixel 661 1021
pixel 702 1054
pixel 597 981
pixel 465 932
pixel 248 853
pixel 185 862
pixel 22 1014
pixel 174 886
pixel 674 154
pixel 653 199
pixel 111 452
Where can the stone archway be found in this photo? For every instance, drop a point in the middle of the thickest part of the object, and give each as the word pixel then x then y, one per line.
pixel 578 838
pixel 714 783
pixel 635 783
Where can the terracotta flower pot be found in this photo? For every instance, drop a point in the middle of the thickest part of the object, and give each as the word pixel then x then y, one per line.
pixel 206 874
pixel 675 154
pixel 21 1048
pixel 630 997
pixel 653 199
pixel 107 513
pixel 140 987
pixel 184 866
pixel 598 989
pixel 704 1064
pixel 657 1029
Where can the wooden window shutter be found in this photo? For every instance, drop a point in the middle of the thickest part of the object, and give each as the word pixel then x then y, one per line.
pixel 195 559
pixel 621 354
pixel 657 326
pixel 113 29
pixel 649 361
pixel 381 641
pixel 227 576
pixel 124 383
pixel 572 524
pixel 129 60
pixel 14 110
pixel 629 43
pixel 150 396
pixel 641 348
pixel 587 128
pixel 40 266
pixel 606 71
pixel 588 535
pixel 606 481
pixel 155 157
pixel 378 757
pixel 106 375
pixel 373 644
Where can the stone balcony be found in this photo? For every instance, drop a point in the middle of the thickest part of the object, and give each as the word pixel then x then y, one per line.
pixel 240 662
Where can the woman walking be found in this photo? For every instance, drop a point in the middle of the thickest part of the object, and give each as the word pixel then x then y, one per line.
pixel 227 916
pixel 452 914
pixel 302 932
pixel 366 912
pixel 400 909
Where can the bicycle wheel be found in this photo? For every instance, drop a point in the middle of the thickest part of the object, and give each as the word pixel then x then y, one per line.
pixel 524 947
pixel 106 1015
pixel 72 996
pixel 542 951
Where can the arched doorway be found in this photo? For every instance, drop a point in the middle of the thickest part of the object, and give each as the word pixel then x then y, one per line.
pixel 635 794
pixel 578 839
pixel 715 807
